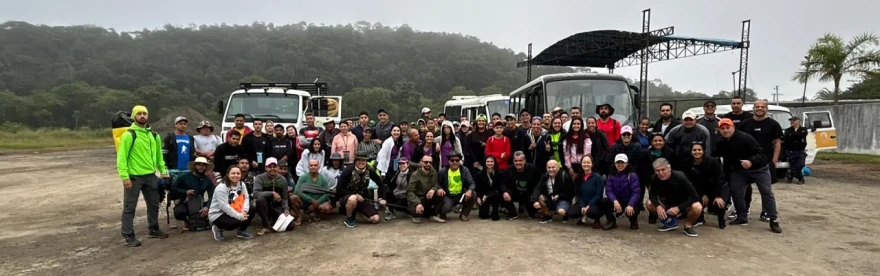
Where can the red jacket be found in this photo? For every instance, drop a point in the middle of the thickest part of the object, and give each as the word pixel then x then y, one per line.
pixel 495 147
pixel 610 128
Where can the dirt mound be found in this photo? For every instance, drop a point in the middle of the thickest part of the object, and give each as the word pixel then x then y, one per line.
pixel 166 124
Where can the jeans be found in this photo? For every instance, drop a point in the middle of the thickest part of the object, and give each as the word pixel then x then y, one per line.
pixel 431 206
pixel 227 223
pixel 149 186
pixel 492 205
pixel 796 160
pixel 740 180
pixel 605 207
pixel 269 210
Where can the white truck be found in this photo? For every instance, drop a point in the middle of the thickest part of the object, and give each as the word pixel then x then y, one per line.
pixel 281 103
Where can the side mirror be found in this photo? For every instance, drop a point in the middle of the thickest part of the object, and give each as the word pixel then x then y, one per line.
pixel 634 88
pixel 637 99
pixel 220 107
pixel 816 125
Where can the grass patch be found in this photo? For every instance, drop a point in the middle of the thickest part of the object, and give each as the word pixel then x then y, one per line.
pixel 849 158
pixel 17 137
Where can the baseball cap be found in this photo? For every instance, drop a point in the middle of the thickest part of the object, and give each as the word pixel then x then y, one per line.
pixel 425 110
pixel 466 124
pixel 626 129
pixel 557 109
pixel 689 115
pixel 621 158
pixel 725 121
pixel 402 160
pixel 794 118
pixel 180 118
pixel 271 161
pixel 510 115
pixel 282 164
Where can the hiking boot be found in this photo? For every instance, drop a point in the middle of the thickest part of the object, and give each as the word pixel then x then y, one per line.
pixel 545 219
pixel 131 241
pixel 350 222
pixel 690 232
pixel 609 226
pixel 774 226
pixel 244 235
pixel 634 224
pixel 416 220
pixel 722 223
pixel 739 222
pixel 218 234
pixel 157 234
pixel 437 219
pixel 597 224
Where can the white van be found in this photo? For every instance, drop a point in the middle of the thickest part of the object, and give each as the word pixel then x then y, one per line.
pixel 822 134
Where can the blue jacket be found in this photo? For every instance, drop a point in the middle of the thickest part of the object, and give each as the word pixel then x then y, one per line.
pixel 590 191
pixel 624 188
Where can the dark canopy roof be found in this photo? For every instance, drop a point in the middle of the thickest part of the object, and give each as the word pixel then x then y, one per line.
pixel 604 48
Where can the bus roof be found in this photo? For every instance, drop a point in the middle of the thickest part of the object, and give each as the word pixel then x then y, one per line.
pixel 475 101
pixel 569 76
pixel 272 90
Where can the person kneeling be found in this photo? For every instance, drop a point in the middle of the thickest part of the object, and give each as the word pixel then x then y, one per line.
pixel 553 192
pixel 272 198
pixel 624 192
pixel 421 193
pixel 229 206
pixel 589 197
pixel 351 188
pixel 677 194
pixel 313 190
pixel 456 186
pixel 191 189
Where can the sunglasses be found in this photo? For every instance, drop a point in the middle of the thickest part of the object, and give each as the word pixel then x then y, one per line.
pixel 709 106
pixel 454 160
pixel 626 134
pixel 427 162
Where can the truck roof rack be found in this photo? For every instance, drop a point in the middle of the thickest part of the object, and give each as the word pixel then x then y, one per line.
pixel 316 88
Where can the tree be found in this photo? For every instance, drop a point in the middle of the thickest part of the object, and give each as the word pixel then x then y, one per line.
pixel 825 94
pixel 830 58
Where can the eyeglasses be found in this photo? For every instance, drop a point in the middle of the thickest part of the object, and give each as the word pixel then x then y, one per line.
pixel 626 134
pixel 427 162
pixel 709 106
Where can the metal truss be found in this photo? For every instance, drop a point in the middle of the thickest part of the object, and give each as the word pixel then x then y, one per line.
pixel 674 48
pixel 744 56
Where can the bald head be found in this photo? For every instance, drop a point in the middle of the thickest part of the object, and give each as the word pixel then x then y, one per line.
pixel 552 167
pixel 314 166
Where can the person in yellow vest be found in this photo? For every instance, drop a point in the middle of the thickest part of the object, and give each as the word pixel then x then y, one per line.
pixel 137 159
pixel 456 185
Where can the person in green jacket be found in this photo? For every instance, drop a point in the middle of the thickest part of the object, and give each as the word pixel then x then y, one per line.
pixel 317 203
pixel 422 196
pixel 137 160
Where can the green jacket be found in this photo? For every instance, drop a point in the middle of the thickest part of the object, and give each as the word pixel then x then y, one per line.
pixel 306 179
pixel 146 153
pixel 419 185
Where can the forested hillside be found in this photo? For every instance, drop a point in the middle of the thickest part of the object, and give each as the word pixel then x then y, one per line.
pixel 76 76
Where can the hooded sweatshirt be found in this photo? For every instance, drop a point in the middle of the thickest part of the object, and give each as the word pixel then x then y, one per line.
pixel 448 147
pixel 419 185
pixel 345 144
pixel 220 201
pixel 142 158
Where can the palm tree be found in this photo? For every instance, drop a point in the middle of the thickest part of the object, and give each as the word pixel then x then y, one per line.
pixel 829 59
pixel 824 94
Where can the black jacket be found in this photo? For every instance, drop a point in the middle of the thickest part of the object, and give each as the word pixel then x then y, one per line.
pixel 351 183
pixel 599 152
pixel 496 186
pixel 793 139
pixel 658 126
pixel 225 156
pixel 634 153
pixel 169 149
pixel 562 186
pixel 521 183
pixel 675 190
pixel 518 140
pixel 189 181
pixel 253 144
pixel 707 178
pixel 646 169
pixel 740 146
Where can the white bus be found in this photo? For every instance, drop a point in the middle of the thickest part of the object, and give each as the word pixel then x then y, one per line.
pixel 584 90
pixel 471 106
pixel 284 103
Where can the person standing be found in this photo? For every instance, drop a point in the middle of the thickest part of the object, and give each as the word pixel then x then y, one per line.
pixel 136 162
pixel 666 121
pixel 710 121
pixel 257 146
pixel 206 142
pixel 383 128
pixel 768 133
pixel 795 143
pixel 606 124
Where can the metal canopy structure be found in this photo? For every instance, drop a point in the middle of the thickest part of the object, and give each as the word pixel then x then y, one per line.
pixel 614 49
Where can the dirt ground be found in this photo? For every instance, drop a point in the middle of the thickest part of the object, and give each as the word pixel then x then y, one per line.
pixel 62 218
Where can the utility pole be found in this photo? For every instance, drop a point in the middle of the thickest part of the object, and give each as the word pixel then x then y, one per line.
pixel 776 95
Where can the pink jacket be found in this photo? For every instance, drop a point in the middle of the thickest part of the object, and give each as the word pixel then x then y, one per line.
pixel 345 142
pixel 571 155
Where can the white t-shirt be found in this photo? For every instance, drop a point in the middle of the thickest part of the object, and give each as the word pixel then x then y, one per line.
pixel 207 143
pixel 550 184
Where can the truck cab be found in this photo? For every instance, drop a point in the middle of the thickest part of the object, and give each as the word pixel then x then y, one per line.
pixel 281 103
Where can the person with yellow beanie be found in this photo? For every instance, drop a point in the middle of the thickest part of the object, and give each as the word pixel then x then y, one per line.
pixel 137 159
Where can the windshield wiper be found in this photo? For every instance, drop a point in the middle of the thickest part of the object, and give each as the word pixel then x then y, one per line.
pixel 270 116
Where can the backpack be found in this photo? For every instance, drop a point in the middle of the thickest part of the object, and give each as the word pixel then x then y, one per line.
pixel 194 216
pixel 163 186
pixel 134 137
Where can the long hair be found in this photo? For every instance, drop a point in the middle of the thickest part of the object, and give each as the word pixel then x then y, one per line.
pixel 311 148
pixel 226 179
pixel 444 137
pixel 553 130
pixel 399 141
pixel 581 136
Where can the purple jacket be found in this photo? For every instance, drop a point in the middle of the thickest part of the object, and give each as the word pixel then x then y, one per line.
pixel 624 187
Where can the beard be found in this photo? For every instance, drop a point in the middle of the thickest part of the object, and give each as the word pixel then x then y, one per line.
pixel 200 171
pixel 604 115
pixel 665 116
pixel 141 121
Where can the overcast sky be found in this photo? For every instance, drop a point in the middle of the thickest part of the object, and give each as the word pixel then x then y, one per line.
pixel 781 33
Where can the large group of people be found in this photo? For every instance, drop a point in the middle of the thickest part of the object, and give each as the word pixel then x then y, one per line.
pixel 558 164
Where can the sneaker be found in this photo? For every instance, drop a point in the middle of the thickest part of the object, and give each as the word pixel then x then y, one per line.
pixel 157 234
pixel 764 217
pixel 131 241
pixel 597 224
pixel 389 215
pixel 443 217
pixel 457 208
pixel 732 215
pixel 700 221
pixel 634 225
pixel 218 234
pixel 690 232
pixel 668 224
pixel 565 219
pixel 350 222
pixel 739 222
pixel 666 228
pixel 244 235
pixel 774 226
pixel 513 218
pixel 609 226
pixel 800 181
pixel 722 223
pixel 652 219
pixel 437 219
pixel 416 220
pixel 788 178
pixel 545 219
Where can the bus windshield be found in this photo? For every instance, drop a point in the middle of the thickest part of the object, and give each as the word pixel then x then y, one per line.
pixel 275 107
pixel 498 106
pixel 586 94
pixel 780 116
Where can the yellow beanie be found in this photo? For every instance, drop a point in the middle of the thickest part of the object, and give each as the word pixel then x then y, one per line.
pixel 138 109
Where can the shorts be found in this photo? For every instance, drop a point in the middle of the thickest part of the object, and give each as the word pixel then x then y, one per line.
pixel 364 208
pixel 559 204
pixel 306 204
